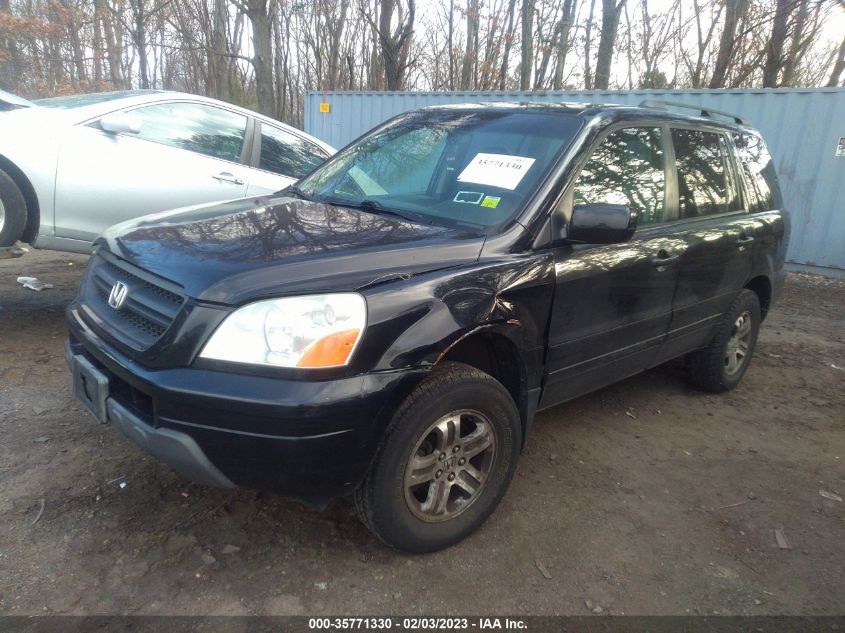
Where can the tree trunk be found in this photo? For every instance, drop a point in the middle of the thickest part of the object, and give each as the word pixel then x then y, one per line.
pixel 588 41
pixel 262 60
pixel 8 56
pixel 734 12
pixel 527 63
pixel 451 44
pixel 795 43
pixel 102 13
pixel 395 44
pixel 838 66
pixel 564 27
pixel 503 72
pixel 471 50
pixel 139 38
pixel 335 43
pixel 774 47
pixel 219 71
pixel 609 26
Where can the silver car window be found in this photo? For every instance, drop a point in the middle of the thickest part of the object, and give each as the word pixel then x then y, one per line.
pixel 195 127
pixel 287 154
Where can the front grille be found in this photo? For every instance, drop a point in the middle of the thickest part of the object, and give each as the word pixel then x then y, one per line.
pixel 151 305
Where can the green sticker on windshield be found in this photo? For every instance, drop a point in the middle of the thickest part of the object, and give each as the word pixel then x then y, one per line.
pixel 491 202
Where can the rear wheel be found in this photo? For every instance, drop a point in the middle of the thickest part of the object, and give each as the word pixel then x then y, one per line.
pixel 446 461
pixel 12 210
pixel 721 365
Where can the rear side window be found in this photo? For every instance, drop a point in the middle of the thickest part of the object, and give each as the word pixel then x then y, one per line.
pixel 287 154
pixel 705 182
pixel 628 167
pixel 758 173
pixel 195 127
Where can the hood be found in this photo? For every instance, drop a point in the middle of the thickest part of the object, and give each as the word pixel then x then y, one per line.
pixel 258 247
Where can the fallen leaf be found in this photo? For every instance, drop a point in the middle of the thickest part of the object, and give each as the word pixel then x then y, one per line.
pixel 543 569
pixel 782 541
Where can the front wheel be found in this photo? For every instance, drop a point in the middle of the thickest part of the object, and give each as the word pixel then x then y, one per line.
pixel 722 364
pixel 445 463
pixel 12 210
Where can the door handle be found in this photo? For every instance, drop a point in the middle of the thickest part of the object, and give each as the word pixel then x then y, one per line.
pixel 225 176
pixel 744 240
pixel 663 259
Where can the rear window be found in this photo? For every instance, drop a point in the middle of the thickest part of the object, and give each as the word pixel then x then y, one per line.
pixel 286 154
pixel 705 185
pixel 758 173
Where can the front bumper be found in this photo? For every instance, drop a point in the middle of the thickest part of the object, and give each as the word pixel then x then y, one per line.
pixel 312 440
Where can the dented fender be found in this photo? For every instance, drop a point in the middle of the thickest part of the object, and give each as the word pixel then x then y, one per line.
pixel 415 323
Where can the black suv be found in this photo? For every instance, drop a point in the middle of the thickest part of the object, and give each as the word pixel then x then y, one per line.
pixel 389 327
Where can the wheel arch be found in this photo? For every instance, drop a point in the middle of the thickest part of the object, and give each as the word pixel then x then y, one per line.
pixel 494 350
pixel 33 210
pixel 761 285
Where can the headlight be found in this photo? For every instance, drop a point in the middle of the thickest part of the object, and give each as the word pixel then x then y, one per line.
pixel 310 331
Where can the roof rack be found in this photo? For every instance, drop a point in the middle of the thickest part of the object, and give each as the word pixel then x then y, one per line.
pixel 706 112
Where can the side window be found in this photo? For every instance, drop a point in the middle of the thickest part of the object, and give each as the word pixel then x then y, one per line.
pixel 705 182
pixel 287 154
pixel 758 173
pixel 195 127
pixel 627 168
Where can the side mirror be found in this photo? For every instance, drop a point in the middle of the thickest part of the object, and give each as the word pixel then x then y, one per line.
pixel 121 123
pixel 601 223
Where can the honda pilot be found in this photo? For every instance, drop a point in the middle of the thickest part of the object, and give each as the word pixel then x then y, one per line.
pixel 389 327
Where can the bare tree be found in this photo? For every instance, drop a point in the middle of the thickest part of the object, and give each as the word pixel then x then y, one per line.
pixel 611 11
pixel 734 11
pixel 775 46
pixel 527 63
pixel 838 67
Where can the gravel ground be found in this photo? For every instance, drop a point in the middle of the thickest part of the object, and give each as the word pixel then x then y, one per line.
pixel 646 497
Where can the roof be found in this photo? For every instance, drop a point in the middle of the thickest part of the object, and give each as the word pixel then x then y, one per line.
pixel 651 109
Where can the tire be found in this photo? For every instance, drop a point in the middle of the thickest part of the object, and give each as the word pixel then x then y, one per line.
pixel 711 368
pixel 12 210
pixel 404 514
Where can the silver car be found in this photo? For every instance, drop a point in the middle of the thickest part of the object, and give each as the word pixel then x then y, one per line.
pixel 72 166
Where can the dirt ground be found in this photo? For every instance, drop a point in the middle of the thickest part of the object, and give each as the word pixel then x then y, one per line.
pixel 646 497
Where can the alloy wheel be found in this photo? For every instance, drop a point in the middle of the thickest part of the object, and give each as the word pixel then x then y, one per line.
pixel 450 465
pixel 737 349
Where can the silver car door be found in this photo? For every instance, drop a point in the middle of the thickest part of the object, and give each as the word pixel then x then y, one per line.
pixel 280 158
pixel 184 153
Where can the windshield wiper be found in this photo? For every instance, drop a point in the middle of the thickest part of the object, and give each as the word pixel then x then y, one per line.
pixel 376 206
pixel 298 192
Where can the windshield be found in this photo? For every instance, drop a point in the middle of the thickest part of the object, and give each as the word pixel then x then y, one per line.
pixel 470 167
pixel 77 101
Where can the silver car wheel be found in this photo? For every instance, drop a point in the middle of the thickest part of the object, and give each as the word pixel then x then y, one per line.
pixel 2 215
pixel 737 349
pixel 450 465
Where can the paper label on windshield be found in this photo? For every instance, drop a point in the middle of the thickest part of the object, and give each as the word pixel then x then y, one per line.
pixel 498 170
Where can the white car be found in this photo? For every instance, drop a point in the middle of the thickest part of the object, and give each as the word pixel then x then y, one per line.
pixel 72 166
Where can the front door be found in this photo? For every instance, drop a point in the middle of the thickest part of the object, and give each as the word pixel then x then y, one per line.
pixel 184 154
pixel 613 303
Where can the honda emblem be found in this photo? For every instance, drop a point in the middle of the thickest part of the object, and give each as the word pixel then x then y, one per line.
pixel 118 295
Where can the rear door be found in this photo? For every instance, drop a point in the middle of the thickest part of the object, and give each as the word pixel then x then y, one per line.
pixel 185 153
pixel 613 303
pixel 280 158
pixel 718 236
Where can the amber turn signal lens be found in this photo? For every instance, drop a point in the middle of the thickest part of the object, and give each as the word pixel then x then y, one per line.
pixel 329 351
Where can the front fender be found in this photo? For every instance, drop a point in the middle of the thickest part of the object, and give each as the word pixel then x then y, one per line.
pixel 414 323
